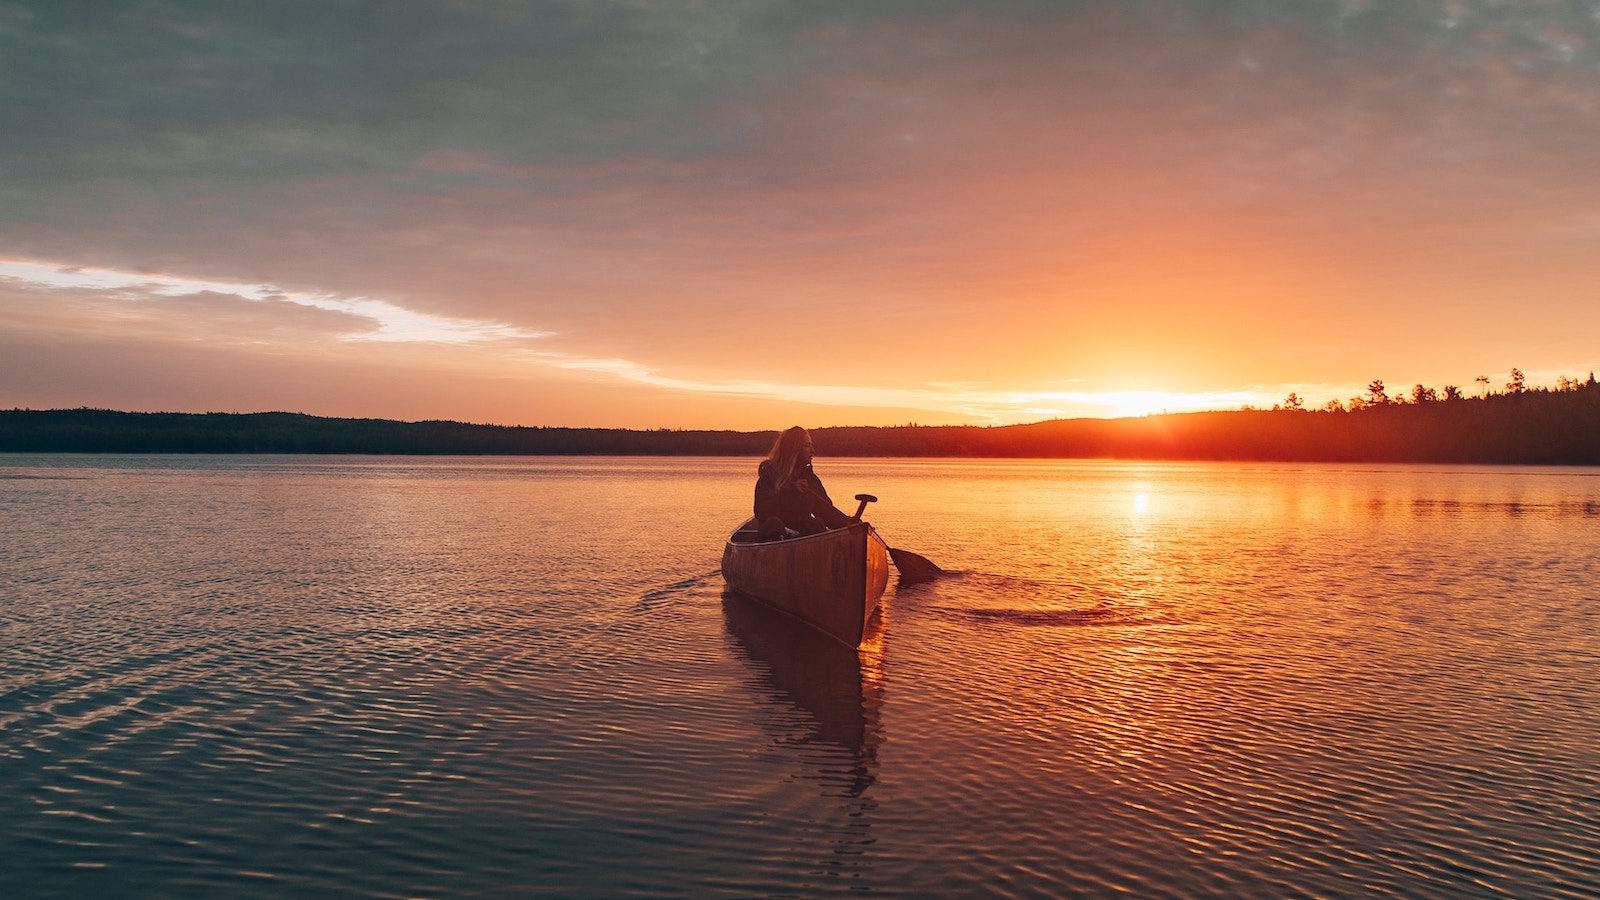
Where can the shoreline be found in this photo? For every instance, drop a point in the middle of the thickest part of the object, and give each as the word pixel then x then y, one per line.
pixel 1537 427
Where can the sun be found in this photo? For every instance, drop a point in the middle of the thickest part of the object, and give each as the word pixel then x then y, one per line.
pixel 1127 404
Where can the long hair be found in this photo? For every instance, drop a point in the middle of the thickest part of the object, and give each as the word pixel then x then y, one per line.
pixel 785 455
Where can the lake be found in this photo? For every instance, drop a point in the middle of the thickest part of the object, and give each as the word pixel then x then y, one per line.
pixel 370 676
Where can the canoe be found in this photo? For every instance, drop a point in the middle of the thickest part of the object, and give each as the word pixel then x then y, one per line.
pixel 831 581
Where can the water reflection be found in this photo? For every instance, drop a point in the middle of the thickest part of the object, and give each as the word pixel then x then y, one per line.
pixel 835 694
pixel 1263 685
pixel 837 689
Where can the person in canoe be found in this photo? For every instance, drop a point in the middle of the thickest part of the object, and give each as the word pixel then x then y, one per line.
pixel 789 495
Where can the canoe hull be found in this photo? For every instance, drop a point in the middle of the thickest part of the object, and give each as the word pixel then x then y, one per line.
pixel 831 581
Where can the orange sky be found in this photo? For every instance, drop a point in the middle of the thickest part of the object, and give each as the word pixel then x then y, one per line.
pixel 726 216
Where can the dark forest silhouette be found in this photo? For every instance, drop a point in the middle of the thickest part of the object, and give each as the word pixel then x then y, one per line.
pixel 1519 425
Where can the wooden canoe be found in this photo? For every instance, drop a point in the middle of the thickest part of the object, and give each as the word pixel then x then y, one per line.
pixel 831 581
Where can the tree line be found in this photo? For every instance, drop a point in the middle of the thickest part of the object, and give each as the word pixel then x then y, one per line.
pixel 1519 425
pixel 1378 395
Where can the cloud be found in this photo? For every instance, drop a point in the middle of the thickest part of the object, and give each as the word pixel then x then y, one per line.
pixel 838 201
pixel 109 298
pixel 186 90
pixel 75 309
pixel 140 312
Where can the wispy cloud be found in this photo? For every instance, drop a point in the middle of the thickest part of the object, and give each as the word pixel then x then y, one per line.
pixel 959 403
pixel 389 322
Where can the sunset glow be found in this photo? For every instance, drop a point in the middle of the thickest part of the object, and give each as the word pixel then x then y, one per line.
pixel 729 217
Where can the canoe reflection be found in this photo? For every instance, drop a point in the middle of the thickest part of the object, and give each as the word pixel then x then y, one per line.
pixel 839 688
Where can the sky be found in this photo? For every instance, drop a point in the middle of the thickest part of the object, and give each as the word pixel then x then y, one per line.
pixel 748 215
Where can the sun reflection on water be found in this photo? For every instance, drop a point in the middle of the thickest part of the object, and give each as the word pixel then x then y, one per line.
pixel 1269 680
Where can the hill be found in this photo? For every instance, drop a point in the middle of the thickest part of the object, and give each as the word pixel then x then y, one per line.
pixel 1538 426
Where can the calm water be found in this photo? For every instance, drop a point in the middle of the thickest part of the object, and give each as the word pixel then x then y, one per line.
pixel 495 677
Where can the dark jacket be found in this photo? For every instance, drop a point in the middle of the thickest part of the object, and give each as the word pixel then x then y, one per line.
pixel 787 503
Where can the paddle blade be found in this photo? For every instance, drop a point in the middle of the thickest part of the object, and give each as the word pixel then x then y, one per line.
pixel 913 568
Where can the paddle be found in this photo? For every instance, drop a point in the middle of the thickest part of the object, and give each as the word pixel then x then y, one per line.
pixel 913 567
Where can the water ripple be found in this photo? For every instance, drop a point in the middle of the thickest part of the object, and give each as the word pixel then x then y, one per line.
pixel 400 678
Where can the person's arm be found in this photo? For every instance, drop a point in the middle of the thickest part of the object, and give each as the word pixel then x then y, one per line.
pixel 819 505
